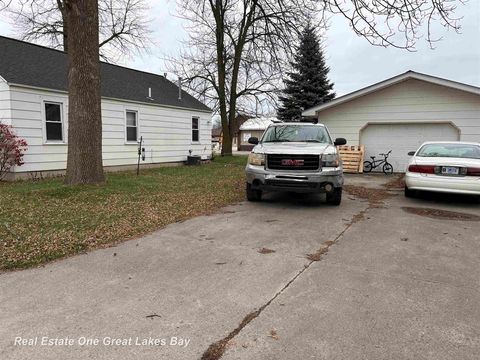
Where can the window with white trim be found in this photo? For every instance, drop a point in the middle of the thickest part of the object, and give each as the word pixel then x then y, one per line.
pixel 195 129
pixel 53 121
pixel 131 128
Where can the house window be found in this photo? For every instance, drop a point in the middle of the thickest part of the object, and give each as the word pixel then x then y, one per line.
pixel 195 129
pixel 53 122
pixel 132 126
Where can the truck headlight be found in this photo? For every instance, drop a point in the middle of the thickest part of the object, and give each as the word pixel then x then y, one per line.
pixel 330 160
pixel 256 159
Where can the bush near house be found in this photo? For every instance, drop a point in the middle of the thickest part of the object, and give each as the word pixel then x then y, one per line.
pixel 12 149
pixel 44 220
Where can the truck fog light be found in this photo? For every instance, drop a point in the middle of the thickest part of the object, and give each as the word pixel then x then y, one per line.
pixel 328 187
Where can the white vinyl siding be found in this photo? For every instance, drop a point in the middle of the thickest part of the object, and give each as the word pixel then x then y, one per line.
pixel 5 103
pixel 166 132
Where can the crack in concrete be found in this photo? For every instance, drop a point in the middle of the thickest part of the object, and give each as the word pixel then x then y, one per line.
pixel 216 350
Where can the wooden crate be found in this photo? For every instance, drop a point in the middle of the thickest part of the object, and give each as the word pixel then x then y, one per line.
pixel 352 157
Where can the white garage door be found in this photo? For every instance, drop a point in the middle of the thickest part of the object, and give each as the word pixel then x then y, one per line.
pixel 402 138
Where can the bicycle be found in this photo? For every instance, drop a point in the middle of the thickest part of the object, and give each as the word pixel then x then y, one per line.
pixel 368 166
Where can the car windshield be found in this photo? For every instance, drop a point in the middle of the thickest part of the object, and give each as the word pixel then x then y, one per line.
pixel 296 133
pixel 450 150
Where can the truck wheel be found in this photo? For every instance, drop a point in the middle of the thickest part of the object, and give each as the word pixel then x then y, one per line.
pixel 253 195
pixel 335 197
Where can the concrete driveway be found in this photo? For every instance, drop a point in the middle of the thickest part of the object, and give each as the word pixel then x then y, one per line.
pixel 384 280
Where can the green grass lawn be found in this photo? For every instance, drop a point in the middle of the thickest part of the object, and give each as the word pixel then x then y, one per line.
pixel 44 220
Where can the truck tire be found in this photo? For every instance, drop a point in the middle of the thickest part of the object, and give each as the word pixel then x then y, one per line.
pixel 253 195
pixel 334 197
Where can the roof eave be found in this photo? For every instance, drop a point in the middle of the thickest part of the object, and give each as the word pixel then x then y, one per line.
pixel 389 82
pixel 209 111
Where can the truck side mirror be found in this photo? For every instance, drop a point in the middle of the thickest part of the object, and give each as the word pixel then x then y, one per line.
pixel 411 153
pixel 253 140
pixel 340 141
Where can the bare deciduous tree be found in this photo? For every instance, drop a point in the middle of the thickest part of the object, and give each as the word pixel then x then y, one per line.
pixel 123 24
pixel 237 49
pixel 235 52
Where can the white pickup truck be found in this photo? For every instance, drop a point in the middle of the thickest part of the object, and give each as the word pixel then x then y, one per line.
pixel 295 157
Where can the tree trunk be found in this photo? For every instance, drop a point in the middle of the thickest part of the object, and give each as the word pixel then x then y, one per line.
pixel 84 160
pixel 227 141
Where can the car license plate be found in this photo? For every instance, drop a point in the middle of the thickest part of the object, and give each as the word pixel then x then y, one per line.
pixel 449 170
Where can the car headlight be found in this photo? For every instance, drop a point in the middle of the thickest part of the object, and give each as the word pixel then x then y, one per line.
pixel 256 159
pixel 330 160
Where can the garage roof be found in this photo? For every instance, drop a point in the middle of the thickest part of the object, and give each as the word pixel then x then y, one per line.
pixel 389 82
pixel 23 63
pixel 260 123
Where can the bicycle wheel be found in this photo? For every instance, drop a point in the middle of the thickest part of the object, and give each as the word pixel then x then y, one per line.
pixel 367 166
pixel 387 169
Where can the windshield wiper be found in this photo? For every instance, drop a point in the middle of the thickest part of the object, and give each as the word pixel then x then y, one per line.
pixel 314 141
pixel 278 140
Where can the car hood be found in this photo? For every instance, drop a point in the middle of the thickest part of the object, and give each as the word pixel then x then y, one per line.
pixel 294 148
pixel 445 161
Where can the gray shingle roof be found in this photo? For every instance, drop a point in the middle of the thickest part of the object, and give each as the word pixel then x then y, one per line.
pixel 29 64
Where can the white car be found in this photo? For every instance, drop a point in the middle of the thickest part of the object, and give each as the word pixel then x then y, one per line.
pixel 444 166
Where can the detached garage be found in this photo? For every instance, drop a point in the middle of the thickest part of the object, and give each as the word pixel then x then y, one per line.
pixel 401 113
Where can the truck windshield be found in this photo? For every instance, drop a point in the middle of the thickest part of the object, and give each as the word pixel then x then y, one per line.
pixel 296 133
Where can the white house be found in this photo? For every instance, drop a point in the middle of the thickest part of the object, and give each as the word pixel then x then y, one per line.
pixel 34 100
pixel 252 127
pixel 400 113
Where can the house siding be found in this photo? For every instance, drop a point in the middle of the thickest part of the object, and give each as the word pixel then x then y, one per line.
pixel 411 101
pixel 5 113
pixel 166 131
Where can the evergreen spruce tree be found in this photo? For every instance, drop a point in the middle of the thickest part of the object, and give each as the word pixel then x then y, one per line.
pixel 307 85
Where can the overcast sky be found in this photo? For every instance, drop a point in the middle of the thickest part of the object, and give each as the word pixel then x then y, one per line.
pixel 353 61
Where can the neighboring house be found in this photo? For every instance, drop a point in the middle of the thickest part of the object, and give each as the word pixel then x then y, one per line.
pixel 217 138
pixel 400 113
pixel 34 100
pixel 217 132
pixel 252 127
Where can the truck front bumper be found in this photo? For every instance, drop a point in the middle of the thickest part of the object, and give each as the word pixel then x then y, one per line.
pixel 299 181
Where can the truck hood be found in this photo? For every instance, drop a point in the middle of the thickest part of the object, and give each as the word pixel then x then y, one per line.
pixel 294 148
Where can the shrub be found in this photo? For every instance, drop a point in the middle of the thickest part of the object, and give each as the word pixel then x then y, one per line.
pixel 12 149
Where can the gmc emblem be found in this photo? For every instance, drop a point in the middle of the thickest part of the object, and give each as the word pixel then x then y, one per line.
pixel 291 162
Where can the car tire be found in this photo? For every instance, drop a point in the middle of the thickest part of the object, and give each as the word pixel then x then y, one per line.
pixel 409 193
pixel 367 166
pixel 253 195
pixel 334 197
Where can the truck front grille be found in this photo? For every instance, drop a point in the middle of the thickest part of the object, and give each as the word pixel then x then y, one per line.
pixel 293 162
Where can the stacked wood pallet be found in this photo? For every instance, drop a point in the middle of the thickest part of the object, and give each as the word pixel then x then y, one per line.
pixel 352 157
